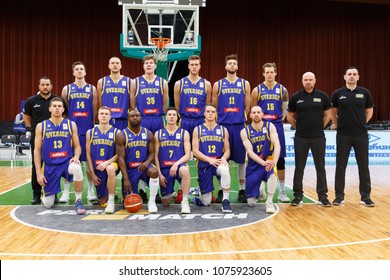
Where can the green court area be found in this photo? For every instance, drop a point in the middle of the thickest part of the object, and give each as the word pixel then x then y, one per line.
pixel 22 194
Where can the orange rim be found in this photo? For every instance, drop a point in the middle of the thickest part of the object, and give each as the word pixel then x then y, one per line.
pixel 160 42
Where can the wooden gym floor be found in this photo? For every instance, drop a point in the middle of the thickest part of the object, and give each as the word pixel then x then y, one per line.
pixel 308 232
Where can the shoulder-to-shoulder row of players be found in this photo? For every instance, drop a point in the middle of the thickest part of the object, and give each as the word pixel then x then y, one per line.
pixel 132 136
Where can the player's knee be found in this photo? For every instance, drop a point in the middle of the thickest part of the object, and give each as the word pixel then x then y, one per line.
pixel 206 198
pixel 281 164
pixel 251 201
pixel 111 170
pixel 223 170
pixel 184 172
pixel 166 199
pixel 75 170
pixel 152 173
pixel 48 201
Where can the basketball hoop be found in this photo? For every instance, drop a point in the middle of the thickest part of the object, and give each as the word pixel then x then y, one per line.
pixel 160 49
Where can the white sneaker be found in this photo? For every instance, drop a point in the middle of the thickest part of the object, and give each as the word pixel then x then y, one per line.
pixel 91 195
pixel 282 197
pixel 110 208
pixel 185 207
pixel 152 207
pixel 64 197
pixel 269 207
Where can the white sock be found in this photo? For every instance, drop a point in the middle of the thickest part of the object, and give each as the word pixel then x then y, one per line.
pixel 242 187
pixel 281 185
pixel 66 186
pixel 142 185
pixel 225 194
pixel 185 198
pixel 111 198
pixel 90 186
pixel 153 188
pixel 78 195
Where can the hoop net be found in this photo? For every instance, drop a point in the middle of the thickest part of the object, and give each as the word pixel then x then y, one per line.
pixel 160 49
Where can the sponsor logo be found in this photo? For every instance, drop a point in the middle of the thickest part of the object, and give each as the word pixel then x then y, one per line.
pixel 80 114
pixel 193 110
pixel 58 154
pixel 231 110
pixel 116 110
pixel 151 111
pixel 167 221
pixel 168 162
pixel 134 164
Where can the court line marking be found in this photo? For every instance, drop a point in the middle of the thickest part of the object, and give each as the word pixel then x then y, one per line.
pixel 205 253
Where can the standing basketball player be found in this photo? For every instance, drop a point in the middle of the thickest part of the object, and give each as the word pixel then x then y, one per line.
pixel 191 94
pixel 102 159
pixel 211 149
pixel 81 99
pixel 173 150
pixel 114 92
pixel 352 109
pixel 272 98
pixel 135 149
pixel 261 142
pixel 231 95
pixel 36 110
pixel 149 94
pixel 57 144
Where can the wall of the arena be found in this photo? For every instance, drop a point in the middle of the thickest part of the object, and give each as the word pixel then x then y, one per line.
pixel 45 37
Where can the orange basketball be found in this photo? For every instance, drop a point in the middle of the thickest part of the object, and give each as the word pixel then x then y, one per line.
pixel 133 202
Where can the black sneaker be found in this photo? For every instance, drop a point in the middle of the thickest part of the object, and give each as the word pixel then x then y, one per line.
pixel 143 195
pixel 220 196
pixel 296 201
pixel 367 202
pixel 242 196
pixel 325 202
pixel 338 201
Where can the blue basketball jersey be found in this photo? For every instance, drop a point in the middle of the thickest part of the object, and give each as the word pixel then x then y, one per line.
pixel 261 143
pixel 149 96
pixel 116 96
pixel 270 101
pixel 102 144
pixel 80 109
pixel 231 101
pixel 136 147
pixel 211 142
pixel 57 144
pixel 171 147
pixel 192 98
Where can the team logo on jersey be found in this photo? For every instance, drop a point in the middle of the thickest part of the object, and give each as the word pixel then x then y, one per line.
pixel 277 90
pixel 87 89
pixel 64 126
pixel 124 83
pixel 111 135
pixel 359 95
pixel 239 84
pixel 143 135
pixel 201 84
pixel 317 100
pixel 342 97
pixel 218 131
pixel 300 101
pixel 177 136
pixel 157 83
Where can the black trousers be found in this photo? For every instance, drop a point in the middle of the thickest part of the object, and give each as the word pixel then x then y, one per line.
pixel 37 188
pixel 359 143
pixel 317 147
